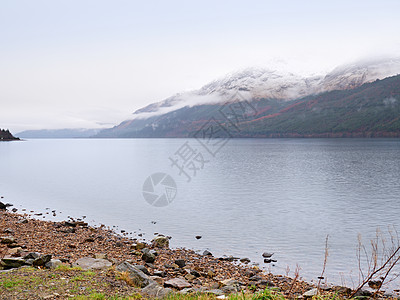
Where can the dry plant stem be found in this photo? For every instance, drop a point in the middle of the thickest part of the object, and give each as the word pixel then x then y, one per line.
pixel 287 270
pixel 360 246
pixel 387 273
pixel 325 261
pixel 372 274
pixel 296 277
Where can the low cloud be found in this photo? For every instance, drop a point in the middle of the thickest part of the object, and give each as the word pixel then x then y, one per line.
pixel 190 99
pixel 178 102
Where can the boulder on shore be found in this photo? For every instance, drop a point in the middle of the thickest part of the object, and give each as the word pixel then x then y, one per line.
pixel 177 283
pixel 42 260
pixel 155 291
pixel 148 256
pixel 52 264
pixel 90 263
pixel 11 262
pixel 138 277
pixel 3 206
pixel 160 242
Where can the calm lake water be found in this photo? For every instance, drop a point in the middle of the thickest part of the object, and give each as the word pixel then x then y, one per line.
pixel 276 195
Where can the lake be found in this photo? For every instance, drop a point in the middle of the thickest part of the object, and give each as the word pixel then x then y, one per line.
pixel 244 197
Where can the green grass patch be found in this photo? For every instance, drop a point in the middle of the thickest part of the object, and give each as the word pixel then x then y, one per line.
pixel 8 284
pixel 66 268
pixel 89 273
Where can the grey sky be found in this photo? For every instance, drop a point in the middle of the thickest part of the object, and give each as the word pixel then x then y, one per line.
pixel 76 64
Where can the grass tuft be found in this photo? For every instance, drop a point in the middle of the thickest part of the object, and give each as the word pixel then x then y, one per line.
pixel 67 268
pixel 8 284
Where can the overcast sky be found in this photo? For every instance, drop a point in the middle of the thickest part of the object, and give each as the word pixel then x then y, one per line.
pixel 87 64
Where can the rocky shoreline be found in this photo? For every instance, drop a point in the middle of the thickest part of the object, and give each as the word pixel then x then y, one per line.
pixel 153 267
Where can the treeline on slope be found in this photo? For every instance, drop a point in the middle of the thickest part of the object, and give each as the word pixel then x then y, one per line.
pixel 373 110
pixel 5 135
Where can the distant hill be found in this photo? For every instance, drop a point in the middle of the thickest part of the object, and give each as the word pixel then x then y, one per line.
pixel 369 110
pixel 58 133
pixel 5 135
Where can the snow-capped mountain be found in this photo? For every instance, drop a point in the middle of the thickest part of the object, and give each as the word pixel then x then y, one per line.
pixel 255 83
pixel 259 83
pixel 369 110
pixel 264 83
pixel 355 74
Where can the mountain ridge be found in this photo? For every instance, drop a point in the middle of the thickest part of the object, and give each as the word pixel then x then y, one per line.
pixel 268 83
pixel 179 118
pixel 363 111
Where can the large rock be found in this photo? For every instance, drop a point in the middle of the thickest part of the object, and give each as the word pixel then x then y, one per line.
pixel 52 264
pixel 32 255
pixel 90 263
pixel 138 277
pixel 15 251
pixel 9 263
pixel 143 269
pixel 230 286
pixel 159 273
pixel 42 260
pixel 180 262
pixel 7 240
pixel 267 254
pixel 4 206
pixel 156 291
pixel 177 283
pixel 138 246
pixel 148 256
pixel 311 293
pixel 160 242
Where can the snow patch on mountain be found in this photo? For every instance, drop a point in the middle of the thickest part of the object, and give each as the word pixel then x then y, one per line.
pixel 356 74
pixel 263 83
